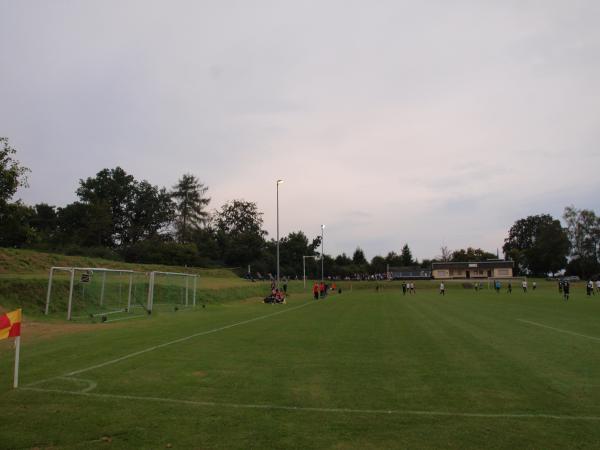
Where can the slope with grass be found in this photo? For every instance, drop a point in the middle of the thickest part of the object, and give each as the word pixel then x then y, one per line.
pixel 24 280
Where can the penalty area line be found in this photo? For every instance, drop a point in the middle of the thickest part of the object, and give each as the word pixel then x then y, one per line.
pixel 560 330
pixel 399 412
pixel 175 341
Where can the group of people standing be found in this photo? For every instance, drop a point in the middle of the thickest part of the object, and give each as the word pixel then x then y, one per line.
pixel 509 288
pixel 408 287
pixel 564 288
pixel 320 290
pixel 590 287
pixel 277 295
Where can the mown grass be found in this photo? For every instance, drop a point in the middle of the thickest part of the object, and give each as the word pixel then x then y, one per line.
pixel 420 356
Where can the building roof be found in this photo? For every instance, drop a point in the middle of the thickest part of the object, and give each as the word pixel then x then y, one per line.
pixel 489 264
pixel 408 269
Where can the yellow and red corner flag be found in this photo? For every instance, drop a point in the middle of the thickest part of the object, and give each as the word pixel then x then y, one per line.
pixel 10 324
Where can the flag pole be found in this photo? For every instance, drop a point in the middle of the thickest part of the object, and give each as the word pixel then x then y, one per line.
pixel 17 351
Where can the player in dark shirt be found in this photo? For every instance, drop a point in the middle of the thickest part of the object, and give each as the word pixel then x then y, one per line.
pixel 566 289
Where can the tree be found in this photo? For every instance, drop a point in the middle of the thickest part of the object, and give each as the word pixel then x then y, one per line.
pixel 162 252
pixel 379 264
pixel 206 242
pixel 14 217
pixel 191 200
pixel 239 232
pixel 358 258
pixel 583 229
pixel 291 250
pixel 113 189
pixel 343 260
pixel 393 259
pixel 151 212
pixel 471 254
pixel 85 224
pixel 14 225
pixel 123 210
pixel 537 244
pixel 406 256
pixel 445 254
pixel 44 221
pixel 12 174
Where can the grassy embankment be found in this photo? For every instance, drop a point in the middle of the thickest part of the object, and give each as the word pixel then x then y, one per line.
pixel 24 280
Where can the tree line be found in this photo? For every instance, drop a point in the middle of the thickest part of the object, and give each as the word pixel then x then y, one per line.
pixel 120 217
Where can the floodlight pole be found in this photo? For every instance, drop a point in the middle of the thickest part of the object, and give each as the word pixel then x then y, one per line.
pixel 322 255
pixel 278 183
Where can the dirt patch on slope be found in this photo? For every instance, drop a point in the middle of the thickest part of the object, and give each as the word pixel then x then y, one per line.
pixel 45 330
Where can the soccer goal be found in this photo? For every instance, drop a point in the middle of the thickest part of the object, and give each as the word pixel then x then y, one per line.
pixel 171 291
pixel 516 282
pixel 95 292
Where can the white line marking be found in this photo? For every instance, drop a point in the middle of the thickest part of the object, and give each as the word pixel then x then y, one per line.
pixel 324 410
pixel 560 330
pixel 176 341
pixel 91 385
pixel 125 318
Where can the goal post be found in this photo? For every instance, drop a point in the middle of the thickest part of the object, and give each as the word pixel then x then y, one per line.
pixel 172 289
pixel 100 291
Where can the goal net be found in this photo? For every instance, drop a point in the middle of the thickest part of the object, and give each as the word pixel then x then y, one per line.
pixel 171 291
pixel 96 293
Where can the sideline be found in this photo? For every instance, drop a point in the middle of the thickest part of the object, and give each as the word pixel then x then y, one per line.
pixel 559 330
pixel 166 344
pixel 267 406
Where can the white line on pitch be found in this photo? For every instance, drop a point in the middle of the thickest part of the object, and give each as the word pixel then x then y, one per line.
pixel 560 330
pixel 186 338
pixel 323 410
pixel 125 318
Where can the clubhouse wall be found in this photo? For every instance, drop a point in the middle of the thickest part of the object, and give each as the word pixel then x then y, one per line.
pixel 473 270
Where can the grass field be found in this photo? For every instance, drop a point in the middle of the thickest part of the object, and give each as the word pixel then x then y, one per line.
pixel 357 370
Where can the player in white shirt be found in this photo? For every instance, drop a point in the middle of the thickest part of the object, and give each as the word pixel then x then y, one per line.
pixel 524 284
pixel 442 288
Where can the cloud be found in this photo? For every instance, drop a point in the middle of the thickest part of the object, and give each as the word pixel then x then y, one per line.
pixel 392 122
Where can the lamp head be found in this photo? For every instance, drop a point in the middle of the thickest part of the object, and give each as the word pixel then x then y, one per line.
pixel 279 181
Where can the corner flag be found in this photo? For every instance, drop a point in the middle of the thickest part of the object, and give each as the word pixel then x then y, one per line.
pixel 10 326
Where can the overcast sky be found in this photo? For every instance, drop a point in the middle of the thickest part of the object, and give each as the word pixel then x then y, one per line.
pixel 426 122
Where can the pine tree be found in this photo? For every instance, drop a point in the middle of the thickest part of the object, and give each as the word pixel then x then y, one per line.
pixel 407 259
pixel 190 197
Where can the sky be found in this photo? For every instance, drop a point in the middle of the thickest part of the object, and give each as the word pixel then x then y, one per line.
pixel 422 122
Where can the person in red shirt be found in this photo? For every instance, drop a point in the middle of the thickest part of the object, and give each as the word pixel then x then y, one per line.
pixel 316 291
pixel 322 289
